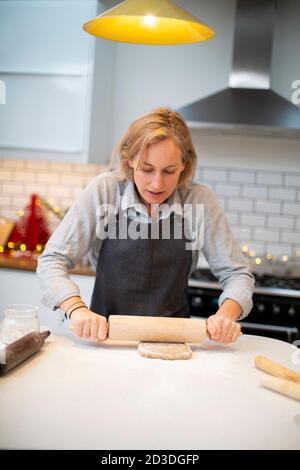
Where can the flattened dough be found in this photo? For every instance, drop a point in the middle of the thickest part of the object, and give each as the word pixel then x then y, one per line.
pixel 169 351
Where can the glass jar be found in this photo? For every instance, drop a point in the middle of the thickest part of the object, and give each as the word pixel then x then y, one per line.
pixel 18 321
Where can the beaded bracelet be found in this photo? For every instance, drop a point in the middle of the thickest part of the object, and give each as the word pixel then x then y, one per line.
pixel 76 308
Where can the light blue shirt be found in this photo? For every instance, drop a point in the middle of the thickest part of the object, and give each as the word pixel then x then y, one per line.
pixel 77 236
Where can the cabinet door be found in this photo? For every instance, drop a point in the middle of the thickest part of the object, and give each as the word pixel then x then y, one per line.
pixel 46 70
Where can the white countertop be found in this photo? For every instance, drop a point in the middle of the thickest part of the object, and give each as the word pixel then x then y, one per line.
pixel 79 395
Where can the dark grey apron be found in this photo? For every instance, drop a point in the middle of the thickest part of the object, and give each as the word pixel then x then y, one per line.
pixel 143 276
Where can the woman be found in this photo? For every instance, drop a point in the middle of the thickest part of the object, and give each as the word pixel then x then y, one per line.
pixel 137 224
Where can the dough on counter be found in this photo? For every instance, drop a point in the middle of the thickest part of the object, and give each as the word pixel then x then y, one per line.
pixel 169 351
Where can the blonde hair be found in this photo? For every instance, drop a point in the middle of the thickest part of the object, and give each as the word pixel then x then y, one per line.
pixel 158 125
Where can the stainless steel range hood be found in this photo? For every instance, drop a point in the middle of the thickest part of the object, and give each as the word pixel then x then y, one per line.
pixel 248 106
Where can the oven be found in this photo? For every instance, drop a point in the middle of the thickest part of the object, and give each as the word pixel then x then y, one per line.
pixel 276 304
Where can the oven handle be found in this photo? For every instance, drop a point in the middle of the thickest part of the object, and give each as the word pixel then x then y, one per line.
pixel 290 331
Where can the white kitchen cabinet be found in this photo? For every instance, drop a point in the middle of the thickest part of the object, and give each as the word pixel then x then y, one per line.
pixel 47 67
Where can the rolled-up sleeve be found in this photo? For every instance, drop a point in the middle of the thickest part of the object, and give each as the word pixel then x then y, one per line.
pixel 224 256
pixel 70 242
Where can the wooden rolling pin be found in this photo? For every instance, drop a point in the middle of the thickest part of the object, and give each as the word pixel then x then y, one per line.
pixel 156 329
pixel 276 369
pixel 286 387
pixel 160 329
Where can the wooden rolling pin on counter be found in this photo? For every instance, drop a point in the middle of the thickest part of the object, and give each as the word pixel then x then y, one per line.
pixel 160 329
pixel 281 379
pixel 133 328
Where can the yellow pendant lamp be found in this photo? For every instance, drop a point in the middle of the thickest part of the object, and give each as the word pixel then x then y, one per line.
pixel 156 22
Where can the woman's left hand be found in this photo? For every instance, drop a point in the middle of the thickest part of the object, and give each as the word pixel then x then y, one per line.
pixel 223 329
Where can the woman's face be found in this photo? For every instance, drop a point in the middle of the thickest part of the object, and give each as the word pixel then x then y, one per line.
pixel 159 173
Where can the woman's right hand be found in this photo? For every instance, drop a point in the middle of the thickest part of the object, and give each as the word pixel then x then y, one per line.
pixel 89 325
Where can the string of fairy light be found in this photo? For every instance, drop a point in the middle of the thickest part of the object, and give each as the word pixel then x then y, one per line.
pixel 245 249
pixel 53 208
pixel 268 257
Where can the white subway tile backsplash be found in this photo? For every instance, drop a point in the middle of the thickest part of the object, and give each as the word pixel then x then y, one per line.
pixel 254 192
pixel 4 202
pixel 60 182
pixel 242 176
pixel 60 167
pixel 222 201
pixel 267 206
pixel 258 248
pixel 72 180
pixel 9 213
pixel 13 188
pixel 282 194
pixel 291 208
pixel 24 176
pixel 232 217
pixel 91 169
pixel 205 183
pixel 75 192
pixel 279 250
pixel 241 205
pixel 269 178
pixel 263 208
pixel 290 237
pixel 56 191
pixel 6 175
pixel 213 175
pixel 36 188
pixel 280 222
pixel 253 220
pixel 48 178
pixel 19 202
pixel 292 180
pixel 36 165
pixel 227 190
pixel 241 233
pixel 266 235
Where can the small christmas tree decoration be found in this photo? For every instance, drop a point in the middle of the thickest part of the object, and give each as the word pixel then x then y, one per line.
pixel 31 232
